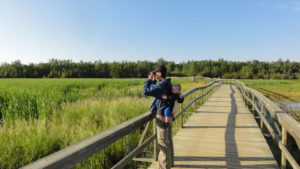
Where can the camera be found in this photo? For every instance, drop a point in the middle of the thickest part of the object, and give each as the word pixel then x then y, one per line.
pixel 152 73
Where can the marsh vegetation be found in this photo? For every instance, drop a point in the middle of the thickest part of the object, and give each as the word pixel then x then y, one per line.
pixel 42 116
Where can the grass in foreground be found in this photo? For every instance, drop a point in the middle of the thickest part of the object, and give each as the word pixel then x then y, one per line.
pixel 69 111
pixel 26 141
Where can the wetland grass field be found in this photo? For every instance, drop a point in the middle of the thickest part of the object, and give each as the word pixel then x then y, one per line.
pixel 286 93
pixel 42 116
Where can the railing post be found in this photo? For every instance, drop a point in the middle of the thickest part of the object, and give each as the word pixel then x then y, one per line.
pixel 194 97
pixel 249 102
pixel 245 97
pixel 181 117
pixel 155 152
pixel 206 94
pixel 283 141
pixel 144 133
pixel 253 100
pixel 262 114
pixel 201 101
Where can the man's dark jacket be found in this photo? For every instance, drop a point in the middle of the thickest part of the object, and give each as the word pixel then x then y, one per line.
pixel 151 88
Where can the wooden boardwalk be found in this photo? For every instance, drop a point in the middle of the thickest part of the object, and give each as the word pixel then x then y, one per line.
pixel 222 133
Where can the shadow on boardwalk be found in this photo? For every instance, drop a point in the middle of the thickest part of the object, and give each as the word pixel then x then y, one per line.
pixel 232 157
pixel 222 134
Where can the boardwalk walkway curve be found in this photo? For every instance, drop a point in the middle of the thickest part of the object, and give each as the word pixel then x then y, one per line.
pixel 222 133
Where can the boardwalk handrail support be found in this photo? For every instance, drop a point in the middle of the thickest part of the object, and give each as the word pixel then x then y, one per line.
pixel 277 121
pixel 70 156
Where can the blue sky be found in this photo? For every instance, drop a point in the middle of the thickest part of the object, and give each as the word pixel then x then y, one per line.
pixel 177 30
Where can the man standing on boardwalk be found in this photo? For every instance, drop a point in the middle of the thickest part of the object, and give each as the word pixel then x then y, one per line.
pixel 152 88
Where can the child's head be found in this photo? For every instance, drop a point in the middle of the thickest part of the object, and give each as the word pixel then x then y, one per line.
pixel 176 88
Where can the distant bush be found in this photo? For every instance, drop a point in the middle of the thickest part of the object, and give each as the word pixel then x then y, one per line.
pixel 140 69
pixel 233 75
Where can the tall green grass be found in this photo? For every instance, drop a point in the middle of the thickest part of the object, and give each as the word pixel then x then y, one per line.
pixel 23 141
pixel 280 90
pixel 42 116
pixel 32 98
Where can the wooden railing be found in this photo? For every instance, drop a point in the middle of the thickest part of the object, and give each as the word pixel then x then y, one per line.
pixel 277 121
pixel 70 156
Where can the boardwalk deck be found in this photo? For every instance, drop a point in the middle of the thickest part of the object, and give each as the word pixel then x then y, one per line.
pixel 222 133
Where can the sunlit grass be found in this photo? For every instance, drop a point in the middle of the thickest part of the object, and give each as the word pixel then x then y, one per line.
pixel 69 111
pixel 25 141
pixel 280 90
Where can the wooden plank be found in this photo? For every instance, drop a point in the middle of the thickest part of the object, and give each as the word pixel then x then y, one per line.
pixel 155 145
pixel 288 156
pixel 291 125
pixel 121 164
pixel 70 156
pixel 265 121
pixel 272 107
pixel 147 160
pixel 199 88
pixel 282 146
pixel 222 134
pixel 192 102
pixel 145 132
pixel 270 129
pixel 288 124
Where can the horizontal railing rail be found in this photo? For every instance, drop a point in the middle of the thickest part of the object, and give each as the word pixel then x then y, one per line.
pixel 70 156
pixel 277 121
pixel 213 85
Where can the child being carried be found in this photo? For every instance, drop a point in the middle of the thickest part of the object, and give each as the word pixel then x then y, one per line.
pixel 174 96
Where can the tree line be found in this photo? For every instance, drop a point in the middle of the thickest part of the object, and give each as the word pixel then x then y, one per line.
pixel 220 68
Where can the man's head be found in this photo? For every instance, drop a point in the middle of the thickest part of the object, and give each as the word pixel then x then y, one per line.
pixel 161 72
pixel 176 88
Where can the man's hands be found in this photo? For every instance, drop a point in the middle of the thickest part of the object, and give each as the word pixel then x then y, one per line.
pixel 151 76
pixel 164 96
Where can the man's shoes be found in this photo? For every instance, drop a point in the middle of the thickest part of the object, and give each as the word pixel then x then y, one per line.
pixel 166 125
pixel 162 124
